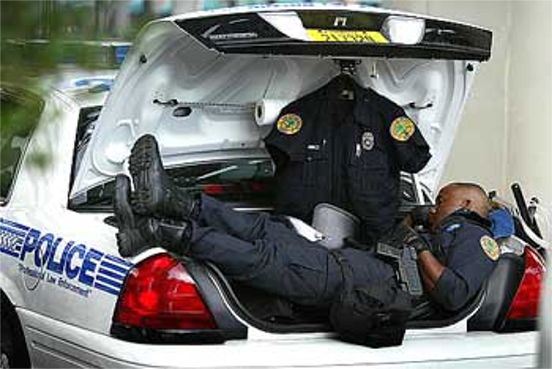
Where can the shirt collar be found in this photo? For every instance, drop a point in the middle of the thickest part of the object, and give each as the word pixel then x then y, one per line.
pixel 463 216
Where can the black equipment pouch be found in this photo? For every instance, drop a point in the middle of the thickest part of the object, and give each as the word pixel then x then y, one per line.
pixel 373 315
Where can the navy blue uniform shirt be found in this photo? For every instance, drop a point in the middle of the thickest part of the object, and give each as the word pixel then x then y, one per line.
pixel 469 254
pixel 347 152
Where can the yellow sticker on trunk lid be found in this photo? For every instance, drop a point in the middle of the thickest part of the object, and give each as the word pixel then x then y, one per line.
pixel 327 35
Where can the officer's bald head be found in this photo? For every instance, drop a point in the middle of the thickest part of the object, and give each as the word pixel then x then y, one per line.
pixel 459 195
pixel 475 197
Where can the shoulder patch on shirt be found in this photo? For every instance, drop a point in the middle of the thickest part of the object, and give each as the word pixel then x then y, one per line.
pixel 289 124
pixel 402 128
pixel 490 247
pixel 453 227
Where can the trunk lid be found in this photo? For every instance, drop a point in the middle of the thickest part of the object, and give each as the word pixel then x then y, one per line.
pixel 211 83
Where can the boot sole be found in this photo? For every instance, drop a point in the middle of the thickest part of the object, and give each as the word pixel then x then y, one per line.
pixel 142 165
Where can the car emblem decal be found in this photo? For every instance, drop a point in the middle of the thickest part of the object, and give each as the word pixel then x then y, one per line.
pixel 367 141
pixel 289 124
pixel 402 128
pixel 490 247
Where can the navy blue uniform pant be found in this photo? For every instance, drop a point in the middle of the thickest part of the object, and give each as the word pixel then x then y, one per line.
pixel 262 251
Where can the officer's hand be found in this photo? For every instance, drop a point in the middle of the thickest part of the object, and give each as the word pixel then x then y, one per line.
pixel 408 221
pixel 420 215
pixel 419 244
pixel 411 238
pixel 397 236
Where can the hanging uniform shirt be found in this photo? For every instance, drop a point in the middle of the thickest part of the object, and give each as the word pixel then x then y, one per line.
pixel 345 151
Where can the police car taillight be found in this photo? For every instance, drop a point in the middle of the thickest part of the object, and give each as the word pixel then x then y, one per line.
pixel 526 301
pixel 160 294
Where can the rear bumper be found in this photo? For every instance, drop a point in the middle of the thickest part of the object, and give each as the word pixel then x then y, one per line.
pixel 55 344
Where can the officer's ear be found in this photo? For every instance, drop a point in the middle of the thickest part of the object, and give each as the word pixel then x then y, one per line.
pixel 466 204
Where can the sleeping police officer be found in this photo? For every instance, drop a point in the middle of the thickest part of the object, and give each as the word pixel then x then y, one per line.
pixel 455 254
pixel 344 145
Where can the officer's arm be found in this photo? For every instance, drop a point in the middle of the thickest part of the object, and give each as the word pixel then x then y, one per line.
pixel 448 289
pixel 470 261
pixel 444 286
pixel 429 266
pixel 430 269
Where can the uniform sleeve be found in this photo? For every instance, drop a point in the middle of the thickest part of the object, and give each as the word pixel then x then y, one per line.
pixel 411 148
pixel 468 266
pixel 289 132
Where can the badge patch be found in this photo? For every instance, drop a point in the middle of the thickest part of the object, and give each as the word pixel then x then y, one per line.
pixel 490 247
pixel 368 141
pixel 402 129
pixel 289 124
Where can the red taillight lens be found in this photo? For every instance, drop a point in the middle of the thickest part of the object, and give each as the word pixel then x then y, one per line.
pixel 526 300
pixel 160 294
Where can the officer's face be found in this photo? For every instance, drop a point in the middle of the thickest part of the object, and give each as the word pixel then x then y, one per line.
pixel 447 202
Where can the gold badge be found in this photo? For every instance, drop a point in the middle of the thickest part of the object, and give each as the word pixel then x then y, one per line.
pixel 289 124
pixel 402 128
pixel 490 247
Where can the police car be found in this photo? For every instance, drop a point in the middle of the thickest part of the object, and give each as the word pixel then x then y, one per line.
pixel 209 86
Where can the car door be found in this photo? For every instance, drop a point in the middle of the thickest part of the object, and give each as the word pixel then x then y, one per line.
pixel 64 265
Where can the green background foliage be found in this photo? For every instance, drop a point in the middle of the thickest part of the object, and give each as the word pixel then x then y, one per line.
pixel 38 36
pixel 46 37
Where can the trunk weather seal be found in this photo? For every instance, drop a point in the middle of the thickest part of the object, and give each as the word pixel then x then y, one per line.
pixel 241 311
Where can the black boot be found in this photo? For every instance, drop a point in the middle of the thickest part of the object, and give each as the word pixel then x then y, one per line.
pixel 172 235
pixel 138 233
pixel 155 193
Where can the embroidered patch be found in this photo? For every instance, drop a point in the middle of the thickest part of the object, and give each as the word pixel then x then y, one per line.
pixel 490 247
pixel 289 124
pixel 368 141
pixel 402 128
pixel 452 227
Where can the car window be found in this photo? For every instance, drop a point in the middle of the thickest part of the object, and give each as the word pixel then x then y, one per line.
pixel 242 182
pixel 86 124
pixel 20 113
pixel 247 181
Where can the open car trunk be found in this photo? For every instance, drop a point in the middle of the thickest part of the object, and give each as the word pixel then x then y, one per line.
pixel 210 86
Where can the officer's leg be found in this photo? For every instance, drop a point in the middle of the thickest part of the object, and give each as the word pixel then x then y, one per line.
pixel 303 272
pixel 244 225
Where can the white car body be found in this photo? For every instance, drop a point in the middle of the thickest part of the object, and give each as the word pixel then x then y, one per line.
pixel 66 311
